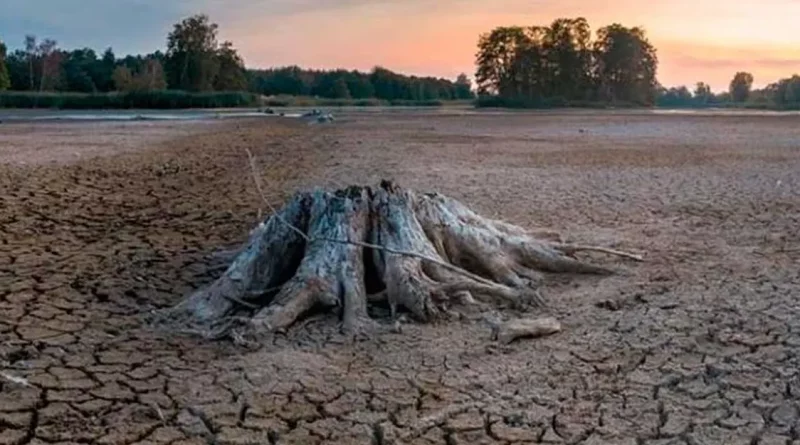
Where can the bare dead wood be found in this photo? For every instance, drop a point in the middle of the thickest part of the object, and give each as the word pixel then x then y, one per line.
pixel 347 249
pixel 254 171
pixel 525 328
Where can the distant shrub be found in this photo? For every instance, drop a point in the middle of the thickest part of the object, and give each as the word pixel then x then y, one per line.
pixel 167 99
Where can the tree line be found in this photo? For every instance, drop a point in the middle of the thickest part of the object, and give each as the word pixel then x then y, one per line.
pixel 783 94
pixel 558 64
pixel 196 61
pixel 380 83
pixel 561 64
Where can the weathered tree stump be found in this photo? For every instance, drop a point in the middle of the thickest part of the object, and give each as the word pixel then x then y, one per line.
pixel 423 253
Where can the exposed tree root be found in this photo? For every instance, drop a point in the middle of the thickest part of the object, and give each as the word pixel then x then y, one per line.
pixel 343 250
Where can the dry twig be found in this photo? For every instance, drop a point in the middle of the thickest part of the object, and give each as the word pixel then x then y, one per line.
pixel 569 249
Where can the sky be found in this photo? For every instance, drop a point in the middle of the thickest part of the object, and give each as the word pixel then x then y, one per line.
pixel 697 40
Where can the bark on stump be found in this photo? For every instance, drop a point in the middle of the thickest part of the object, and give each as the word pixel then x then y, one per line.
pixel 342 250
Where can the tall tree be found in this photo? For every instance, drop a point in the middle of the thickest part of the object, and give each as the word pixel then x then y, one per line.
pixel 567 48
pixel 231 74
pixel 31 51
pixel 702 93
pixel 17 63
pixel 5 80
pixel 105 68
pixel 532 67
pixel 340 89
pixel 80 68
pixel 191 59
pixel 497 59
pixel 626 65
pixel 463 87
pixel 50 62
pixel 359 86
pixel 740 86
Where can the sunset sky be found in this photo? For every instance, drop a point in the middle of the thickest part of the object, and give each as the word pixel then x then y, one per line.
pixel 697 40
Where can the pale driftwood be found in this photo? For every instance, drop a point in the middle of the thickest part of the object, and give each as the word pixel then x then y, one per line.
pixel 525 328
pixel 345 249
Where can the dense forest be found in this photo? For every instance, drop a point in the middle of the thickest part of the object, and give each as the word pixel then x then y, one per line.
pixel 342 84
pixel 195 61
pixel 538 66
pixel 560 65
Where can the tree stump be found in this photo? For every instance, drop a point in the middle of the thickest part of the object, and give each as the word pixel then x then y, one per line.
pixel 341 250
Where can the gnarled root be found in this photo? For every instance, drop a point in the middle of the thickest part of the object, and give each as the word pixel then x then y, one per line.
pixel 330 275
pixel 423 253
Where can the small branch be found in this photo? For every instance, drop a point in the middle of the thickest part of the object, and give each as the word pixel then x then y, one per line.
pixel 569 249
pixel 272 209
pixel 160 413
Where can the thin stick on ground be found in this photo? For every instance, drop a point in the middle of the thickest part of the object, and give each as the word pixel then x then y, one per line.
pixel 570 249
pixel 254 171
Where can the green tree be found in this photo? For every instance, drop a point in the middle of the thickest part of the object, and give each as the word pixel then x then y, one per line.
pixel 5 79
pixel 105 71
pixel 31 50
pixel 359 86
pixel 463 87
pixel 17 63
pixel 80 68
pixel 231 72
pixel 703 94
pixel 740 86
pixel 784 93
pixel 625 65
pixel 191 60
pixel 498 54
pixel 340 89
pixel 532 66
pixel 675 97
pixel 566 45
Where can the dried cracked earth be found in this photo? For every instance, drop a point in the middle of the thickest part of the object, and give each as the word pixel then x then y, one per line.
pixel 101 224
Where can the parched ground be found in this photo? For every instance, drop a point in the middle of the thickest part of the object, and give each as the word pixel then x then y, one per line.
pixel 105 223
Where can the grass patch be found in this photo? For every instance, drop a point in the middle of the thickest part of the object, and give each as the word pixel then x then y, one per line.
pixel 163 100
